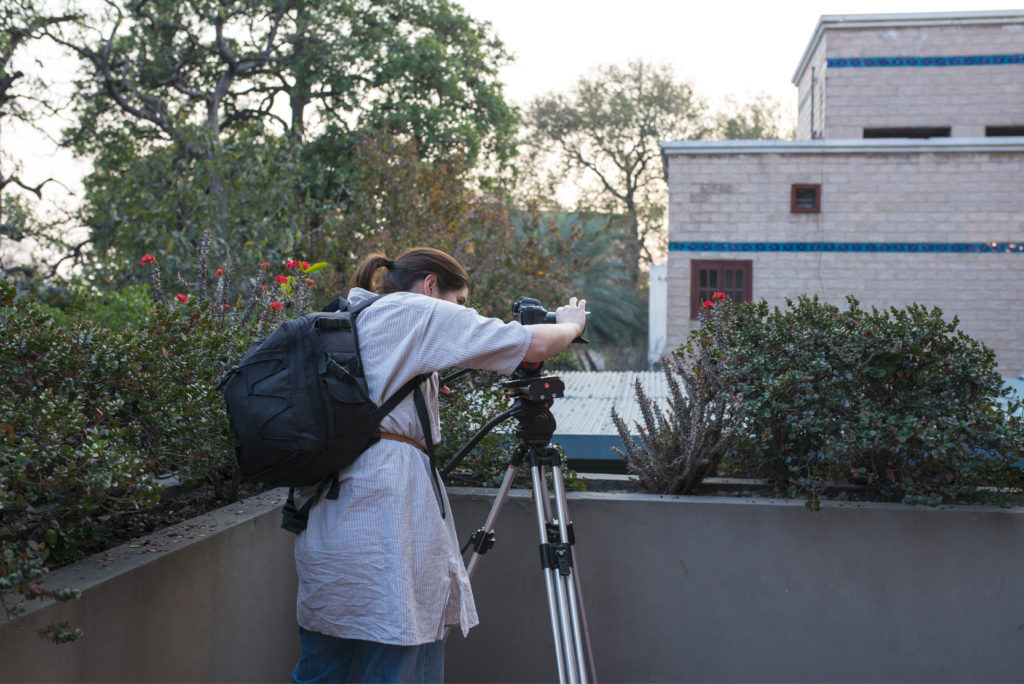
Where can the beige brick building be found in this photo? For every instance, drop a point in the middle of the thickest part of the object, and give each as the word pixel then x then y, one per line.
pixel 906 182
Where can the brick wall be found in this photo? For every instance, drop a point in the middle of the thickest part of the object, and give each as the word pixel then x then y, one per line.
pixel 925 197
pixel 964 98
pixel 811 96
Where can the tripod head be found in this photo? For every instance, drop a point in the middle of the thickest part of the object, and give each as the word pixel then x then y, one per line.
pixel 534 393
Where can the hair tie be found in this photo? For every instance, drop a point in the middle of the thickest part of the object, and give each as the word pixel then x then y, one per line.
pixel 389 263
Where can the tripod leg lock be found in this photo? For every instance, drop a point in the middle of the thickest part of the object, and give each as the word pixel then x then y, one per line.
pixel 556 556
pixel 481 541
pixel 554 535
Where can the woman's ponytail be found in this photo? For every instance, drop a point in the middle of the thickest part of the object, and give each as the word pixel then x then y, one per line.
pixel 411 266
pixel 367 269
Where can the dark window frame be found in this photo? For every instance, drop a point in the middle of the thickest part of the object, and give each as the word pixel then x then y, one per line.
pixel 913 132
pixel 793 191
pixel 720 265
pixel 1003 131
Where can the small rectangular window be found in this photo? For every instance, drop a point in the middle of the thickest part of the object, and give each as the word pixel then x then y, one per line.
pixel 1000 131
pixel 730 277
pixel 805 198
pixel 908 132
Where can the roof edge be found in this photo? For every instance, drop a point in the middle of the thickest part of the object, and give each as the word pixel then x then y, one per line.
pixel 842 146
pixel 859 21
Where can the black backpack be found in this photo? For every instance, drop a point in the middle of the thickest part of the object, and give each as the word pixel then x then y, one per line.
pixel 298 402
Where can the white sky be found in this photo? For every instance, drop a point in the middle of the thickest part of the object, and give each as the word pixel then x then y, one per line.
pixel 723 47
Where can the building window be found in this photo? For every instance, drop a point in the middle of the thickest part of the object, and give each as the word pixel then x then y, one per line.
pixel 805 198
pixel 999 131
pixel 733 278
pixel 908 132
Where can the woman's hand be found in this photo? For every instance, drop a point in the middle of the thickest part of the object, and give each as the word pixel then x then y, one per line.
pixel 575 313
pixel 549 339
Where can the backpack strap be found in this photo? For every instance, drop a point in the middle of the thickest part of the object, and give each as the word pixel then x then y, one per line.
pixel 421 410
pixel 295 519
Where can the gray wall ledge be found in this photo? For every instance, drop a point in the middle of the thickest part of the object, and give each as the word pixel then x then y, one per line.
pixel 844 146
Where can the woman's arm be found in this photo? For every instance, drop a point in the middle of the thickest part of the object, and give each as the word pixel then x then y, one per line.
pixel 549 339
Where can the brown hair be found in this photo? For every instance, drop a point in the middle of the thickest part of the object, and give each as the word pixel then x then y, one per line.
pixel 411 266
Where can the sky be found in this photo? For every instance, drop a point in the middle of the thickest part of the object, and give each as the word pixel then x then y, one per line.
pixel 723 48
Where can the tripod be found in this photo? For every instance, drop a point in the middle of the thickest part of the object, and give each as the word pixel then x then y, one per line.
pixel 534 394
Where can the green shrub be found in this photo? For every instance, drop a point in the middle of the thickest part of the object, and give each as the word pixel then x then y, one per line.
pixel 130 307
pixel 94 414
pixel 900 401
pixel 472 402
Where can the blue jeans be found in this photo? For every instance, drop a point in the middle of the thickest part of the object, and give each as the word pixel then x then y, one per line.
pixel 333 659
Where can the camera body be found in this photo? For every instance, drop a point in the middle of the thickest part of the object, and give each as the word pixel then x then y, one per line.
pixel 529 311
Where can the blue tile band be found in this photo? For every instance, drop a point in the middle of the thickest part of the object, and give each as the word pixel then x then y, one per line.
pixel 957 60
pixel 860 247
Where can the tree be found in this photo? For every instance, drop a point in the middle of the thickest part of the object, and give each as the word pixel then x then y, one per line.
pixel 22 98
pixel 240 116
pixel 760 118
pixel 606 133
pixel 401 201
pixel 596 272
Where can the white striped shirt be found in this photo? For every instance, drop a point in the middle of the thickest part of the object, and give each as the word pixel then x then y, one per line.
pixel 380 563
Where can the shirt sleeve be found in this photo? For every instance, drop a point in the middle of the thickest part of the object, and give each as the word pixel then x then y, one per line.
pixel 454 335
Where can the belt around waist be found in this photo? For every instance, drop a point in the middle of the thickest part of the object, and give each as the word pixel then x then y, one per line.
pixel 402 438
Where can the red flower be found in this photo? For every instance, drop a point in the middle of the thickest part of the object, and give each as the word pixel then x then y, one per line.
pixel 291 264
pixel 310 282
pixel 281 279
pixel 276 305
pixel 148 259
pixel 219 272
pixel 182 298
pixel 305 265
pixel 709 304
pixel 263 286
pixel 719 296
pixel 264 265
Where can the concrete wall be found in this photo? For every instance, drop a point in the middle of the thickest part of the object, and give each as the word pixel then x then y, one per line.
pixel 684 589
pixel 675 588
pixel 657 314
pixel 211 600
pixel 867 196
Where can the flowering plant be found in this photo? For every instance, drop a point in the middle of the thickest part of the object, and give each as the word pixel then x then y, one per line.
pixel 114 407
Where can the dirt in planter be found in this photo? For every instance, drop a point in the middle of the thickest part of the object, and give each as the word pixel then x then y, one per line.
pixel 177 505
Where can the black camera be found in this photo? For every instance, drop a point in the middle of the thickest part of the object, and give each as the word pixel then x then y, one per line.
pixel 530 311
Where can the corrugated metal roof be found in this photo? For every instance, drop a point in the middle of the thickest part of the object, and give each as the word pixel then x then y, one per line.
pixel 589 396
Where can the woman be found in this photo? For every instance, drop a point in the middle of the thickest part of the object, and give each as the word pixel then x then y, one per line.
pixel 380 573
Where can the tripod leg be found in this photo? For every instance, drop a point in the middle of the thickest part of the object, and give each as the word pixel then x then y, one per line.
pixel 541 504
pixel 571 585
pixel 557 600
pixel 492 516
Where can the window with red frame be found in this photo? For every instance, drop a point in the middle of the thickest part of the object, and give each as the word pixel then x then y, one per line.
pixel 732 278
pixel 805 198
